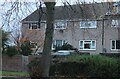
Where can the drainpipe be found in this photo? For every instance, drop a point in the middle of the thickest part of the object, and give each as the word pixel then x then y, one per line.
pixel 118 36
pixel 118 33
pixel 103 35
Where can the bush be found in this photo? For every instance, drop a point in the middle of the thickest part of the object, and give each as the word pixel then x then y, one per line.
pixel 115 55
pixel 26 48
pixel 65 46
pixel 35 69
pixel 87 65
pixel 68 69
pixel 11 51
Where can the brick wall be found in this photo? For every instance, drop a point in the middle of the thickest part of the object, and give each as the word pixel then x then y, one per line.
pixel 14 63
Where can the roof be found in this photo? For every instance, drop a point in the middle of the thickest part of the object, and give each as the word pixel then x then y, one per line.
pixel 70 12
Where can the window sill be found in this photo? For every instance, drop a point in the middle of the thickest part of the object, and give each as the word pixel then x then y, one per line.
pixel 115 27
pixel 87 28
pixel 115 49
pixel 34 29
pixel 87 49
pixel 60 28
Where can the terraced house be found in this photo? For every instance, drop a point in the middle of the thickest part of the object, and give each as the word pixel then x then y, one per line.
pixel 91 28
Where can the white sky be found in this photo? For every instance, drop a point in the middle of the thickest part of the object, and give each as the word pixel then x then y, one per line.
pixel 58 0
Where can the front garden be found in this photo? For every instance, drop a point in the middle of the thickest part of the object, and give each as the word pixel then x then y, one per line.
pixel 95 66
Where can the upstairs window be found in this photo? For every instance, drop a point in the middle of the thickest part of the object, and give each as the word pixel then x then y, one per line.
pixel 87 44
pixel 116 8
pixel 60 24
pixel 115 44
pixel 115 23
pixel 34 26
pixel 88 24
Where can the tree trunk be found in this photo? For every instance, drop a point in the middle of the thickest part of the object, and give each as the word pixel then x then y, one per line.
pixel 46 57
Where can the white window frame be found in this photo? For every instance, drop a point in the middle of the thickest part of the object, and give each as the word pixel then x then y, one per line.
pixel 85 42
pixel 93 24
pixel 115 23
pixel 64 22
pixel 115 45
pixel 31 26
pixel 116 8
pixel 34 43
pixel 63 41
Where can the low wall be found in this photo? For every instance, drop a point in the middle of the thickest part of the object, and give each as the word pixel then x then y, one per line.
pixel 14 63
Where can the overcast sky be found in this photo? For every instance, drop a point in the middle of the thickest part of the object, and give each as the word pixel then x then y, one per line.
pixel 59 0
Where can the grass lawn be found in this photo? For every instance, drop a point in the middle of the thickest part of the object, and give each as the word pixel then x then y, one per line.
pixel 12 73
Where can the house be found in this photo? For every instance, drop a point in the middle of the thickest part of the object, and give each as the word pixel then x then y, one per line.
pixel 91 28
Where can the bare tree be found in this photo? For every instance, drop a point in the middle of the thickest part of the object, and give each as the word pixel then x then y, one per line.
pixel 15 7
pixel 46 57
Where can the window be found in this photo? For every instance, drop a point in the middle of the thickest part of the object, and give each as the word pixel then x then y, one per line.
pixel 33 44
pixel 58 43
pixel 115 44
pixel 87 44
pixel 34 26
pixel 116 8
pixel 60 24
pixel 88 24
pixel 115 23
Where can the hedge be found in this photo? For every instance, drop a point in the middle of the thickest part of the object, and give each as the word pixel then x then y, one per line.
pixel 95 66
pixel 87 65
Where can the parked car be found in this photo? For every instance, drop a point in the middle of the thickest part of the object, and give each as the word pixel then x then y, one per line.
pixel 62 53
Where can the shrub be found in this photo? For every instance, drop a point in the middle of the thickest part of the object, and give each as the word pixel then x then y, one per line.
pixel 88 65
pixel 26 48
pixel 65 46
pixel 115 55
pixel 11 51
pixel 34 68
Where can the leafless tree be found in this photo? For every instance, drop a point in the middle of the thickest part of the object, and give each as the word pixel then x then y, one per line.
pixel 14 10
pixel 16 7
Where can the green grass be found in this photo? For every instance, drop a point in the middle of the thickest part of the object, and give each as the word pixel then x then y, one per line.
pixel 12 73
